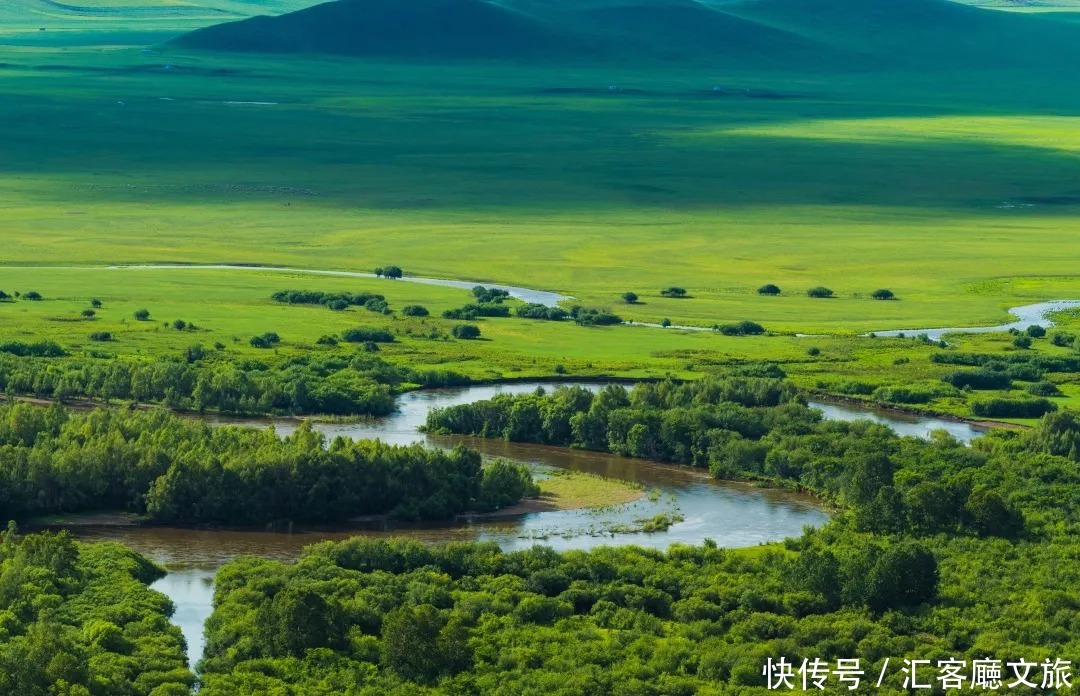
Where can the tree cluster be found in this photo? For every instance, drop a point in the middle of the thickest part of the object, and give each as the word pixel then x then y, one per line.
pixel 176 470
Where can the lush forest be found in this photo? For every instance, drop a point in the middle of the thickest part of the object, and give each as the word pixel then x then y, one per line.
pixel 202 379
pixel 176 470
pixel 938 551
pixel 79 620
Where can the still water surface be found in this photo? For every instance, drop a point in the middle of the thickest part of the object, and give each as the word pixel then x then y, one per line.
pixel 734 515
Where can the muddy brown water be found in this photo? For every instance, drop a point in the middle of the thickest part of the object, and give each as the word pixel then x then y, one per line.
pixel 732 514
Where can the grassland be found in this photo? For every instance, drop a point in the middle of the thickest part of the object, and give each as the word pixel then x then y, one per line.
pixel 955 191
pixel 574 490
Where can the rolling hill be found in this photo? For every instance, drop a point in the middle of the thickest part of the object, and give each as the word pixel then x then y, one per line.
pixel 433 29
pixel 807 34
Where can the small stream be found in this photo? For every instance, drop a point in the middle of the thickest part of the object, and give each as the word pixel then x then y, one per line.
pixel 1038 313
pixel 548 299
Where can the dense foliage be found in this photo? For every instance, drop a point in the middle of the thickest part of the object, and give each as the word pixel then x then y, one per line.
pixel 176 470
pixel 587 316
pixel 938 551
pixel 539 311
pixel 79 620
pixel 202 380
pixel 333 300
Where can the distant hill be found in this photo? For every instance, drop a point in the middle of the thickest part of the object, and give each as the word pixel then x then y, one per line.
pixel 434 29
pixel 921 33
pixel 808 34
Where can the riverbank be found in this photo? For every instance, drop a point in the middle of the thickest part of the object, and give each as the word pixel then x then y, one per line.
pixel 559 491
pixel 907 410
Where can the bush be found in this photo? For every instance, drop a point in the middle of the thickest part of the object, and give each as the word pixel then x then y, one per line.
pixel 1036 331
pixel 1063 339
pixel 337 305
pixel 95 303
pixel 978 379
pixel 743 328
pixel 673 292
pixel 768 289
pixel 89 313
pixel 415 310
pixel 179 324
pixel 539 311
pixel 41 349
pixel 594 317
pixel 883 294
pixel 362 334
pixel 630 297
pixel 466 332
pixel 4 297
pixel 490 295
pixel 377 305
pixel 820 291
pixel 266 340
pixel 916 394
pixel 101 336
pixel 813 351
pixel 392 272
pixel 1013 408
pixel 1043 389
pixel 142 314
pixel 472 311
pixel 32 295
pixel 1022 341
pixel 665 322
pixel 327 340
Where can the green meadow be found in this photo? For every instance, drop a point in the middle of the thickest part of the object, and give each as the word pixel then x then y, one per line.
pixel 954 190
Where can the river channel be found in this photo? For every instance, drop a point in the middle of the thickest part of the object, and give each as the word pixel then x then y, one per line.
pixel 733 515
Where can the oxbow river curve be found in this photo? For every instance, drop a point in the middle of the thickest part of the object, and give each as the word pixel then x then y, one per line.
pixel 733 515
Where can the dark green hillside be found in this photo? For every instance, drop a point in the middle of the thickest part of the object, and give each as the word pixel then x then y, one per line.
pixel 433 29
pixel 811 35
pixel 677 30
pixel 937 34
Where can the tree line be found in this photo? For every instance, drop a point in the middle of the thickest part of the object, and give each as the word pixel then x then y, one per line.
pixel 176 470
pixel 202 380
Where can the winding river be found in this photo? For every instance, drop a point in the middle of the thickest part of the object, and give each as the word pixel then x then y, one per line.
pixel 548 299
pixel 734 515
pixel 1026 315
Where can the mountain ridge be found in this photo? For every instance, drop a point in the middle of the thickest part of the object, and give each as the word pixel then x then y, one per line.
pixel 797 34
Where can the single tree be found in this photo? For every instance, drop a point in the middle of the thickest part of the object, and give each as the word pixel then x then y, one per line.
pixel 673 292
pixel 88 313
pixel 467 332
pixel 768 289
pixel 392 272
pixel 1036 331
pixel 665 322
pixel 1022 341
pixel 32 295
pixel 95 303
pixel 142 314
pixel 819 291
pixel 630 297
pixel 883 294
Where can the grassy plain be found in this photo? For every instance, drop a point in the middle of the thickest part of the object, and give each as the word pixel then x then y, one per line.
pixel 956 191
